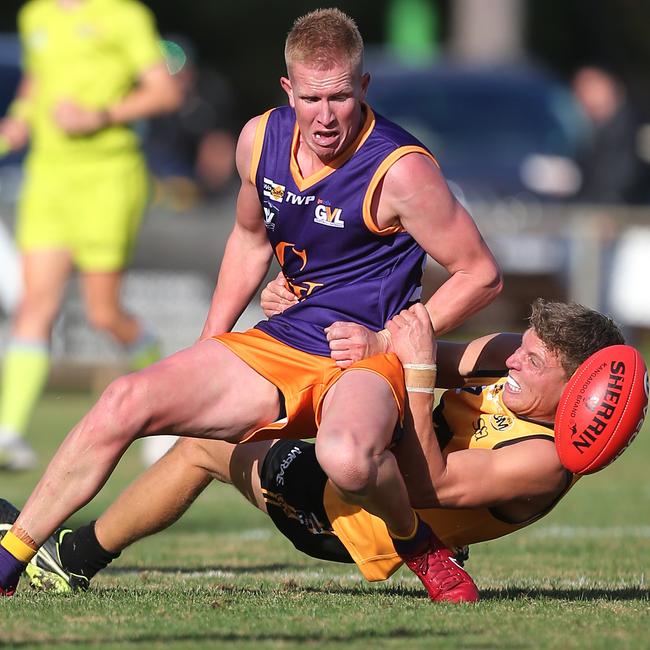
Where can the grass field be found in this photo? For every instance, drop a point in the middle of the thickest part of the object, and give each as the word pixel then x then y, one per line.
pixel 223 577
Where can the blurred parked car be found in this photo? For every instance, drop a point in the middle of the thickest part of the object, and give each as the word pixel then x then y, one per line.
pixel 496 132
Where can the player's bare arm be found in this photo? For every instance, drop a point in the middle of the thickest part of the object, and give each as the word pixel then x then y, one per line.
pixel 527 473
pixel 156 92
pixel 415 195
pixel 349 342
pixel 467 363
pixel 248 253
pixel 522 479
pixel 459 363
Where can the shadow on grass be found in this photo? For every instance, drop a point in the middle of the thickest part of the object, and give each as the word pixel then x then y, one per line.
pixel 508 594
pixel 309 638
pixel 576 594
pixel 331 587
pixel 571 594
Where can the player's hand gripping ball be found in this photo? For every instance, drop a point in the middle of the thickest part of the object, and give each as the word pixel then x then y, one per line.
pixel 601 409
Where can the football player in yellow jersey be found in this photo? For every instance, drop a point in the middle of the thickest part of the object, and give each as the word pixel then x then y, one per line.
pixel 491 465
pixel 91 68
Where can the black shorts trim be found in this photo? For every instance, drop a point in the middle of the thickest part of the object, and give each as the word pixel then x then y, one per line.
pixel 293 484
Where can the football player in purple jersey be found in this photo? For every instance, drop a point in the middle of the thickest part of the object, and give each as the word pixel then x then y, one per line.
pixel 350 204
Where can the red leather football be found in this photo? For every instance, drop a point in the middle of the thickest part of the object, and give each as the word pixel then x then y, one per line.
pixel 601 409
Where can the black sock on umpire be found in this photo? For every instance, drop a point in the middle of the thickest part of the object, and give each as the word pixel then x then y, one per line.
pixel 82 554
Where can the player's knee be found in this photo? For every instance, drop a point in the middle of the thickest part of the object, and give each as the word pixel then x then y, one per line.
pixel 191 453
pixel 116 419
pixel 125 407
pixel 202 458
pixel 346 462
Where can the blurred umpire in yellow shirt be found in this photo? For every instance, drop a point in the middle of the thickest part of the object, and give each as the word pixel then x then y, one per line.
pixel 90 69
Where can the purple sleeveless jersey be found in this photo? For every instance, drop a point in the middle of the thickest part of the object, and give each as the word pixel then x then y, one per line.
pixel 334 258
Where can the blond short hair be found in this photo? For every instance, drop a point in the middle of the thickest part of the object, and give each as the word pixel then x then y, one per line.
pixel 323 37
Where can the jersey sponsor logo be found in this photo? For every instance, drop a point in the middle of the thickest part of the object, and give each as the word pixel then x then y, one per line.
pixel 293 453
pixel 480 428
pixel 326 215
pixel 501 422
pixel 273 190
pixel 270 213
pixel 297 199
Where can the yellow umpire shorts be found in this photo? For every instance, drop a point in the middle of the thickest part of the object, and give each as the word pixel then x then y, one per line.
pixel 91 208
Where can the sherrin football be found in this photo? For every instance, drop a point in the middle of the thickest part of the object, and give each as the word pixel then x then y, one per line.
pixel 601 409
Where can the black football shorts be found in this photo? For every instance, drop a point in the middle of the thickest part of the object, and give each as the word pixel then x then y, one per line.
pixel 293 484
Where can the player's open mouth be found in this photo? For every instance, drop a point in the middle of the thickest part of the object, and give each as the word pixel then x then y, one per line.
pixel 512 385
pixel 325 138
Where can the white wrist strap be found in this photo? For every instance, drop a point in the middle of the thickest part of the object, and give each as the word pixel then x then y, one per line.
pixel 420 366
pixel 420 377
pixel 420 389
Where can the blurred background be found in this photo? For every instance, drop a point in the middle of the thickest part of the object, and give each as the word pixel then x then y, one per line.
pixel 538 111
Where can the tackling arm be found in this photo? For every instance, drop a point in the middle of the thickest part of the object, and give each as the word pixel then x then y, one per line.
pixel 415 194
pixel 525 476
pixel 460 364
pixel 248 252
pixel 527 473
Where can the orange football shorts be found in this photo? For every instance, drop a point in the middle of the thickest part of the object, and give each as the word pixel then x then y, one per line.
pixel 303 379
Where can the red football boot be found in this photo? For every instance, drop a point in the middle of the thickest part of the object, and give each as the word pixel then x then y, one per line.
pixel 441 575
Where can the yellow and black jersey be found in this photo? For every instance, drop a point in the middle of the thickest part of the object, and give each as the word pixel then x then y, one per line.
pixel 466 418
pixel 475 417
